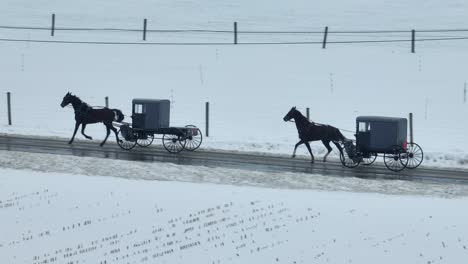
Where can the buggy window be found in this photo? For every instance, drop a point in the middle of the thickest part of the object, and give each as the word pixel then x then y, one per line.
pixel 364 127
pixel 140 109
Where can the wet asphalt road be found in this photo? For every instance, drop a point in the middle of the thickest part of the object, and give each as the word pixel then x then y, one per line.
pixel 211 158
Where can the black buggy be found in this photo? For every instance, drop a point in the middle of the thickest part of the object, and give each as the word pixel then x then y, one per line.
pixel 382 135
pixel 151 117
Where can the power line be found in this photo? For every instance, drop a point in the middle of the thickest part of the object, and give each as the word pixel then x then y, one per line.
pixel 226 43
pixel 240 31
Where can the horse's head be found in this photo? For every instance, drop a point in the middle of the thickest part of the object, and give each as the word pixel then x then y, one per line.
pixel 67 99
pixel 290 115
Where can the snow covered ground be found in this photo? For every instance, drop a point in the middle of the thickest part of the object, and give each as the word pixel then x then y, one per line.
pixel 55 210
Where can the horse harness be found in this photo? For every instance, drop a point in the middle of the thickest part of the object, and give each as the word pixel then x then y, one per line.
pixel 319 124
pixel 83 110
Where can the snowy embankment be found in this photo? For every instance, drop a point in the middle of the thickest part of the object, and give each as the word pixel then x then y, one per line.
pixel 52 212
pixel 135 170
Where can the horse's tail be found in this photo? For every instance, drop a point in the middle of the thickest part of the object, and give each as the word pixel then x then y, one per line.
pixel 119 116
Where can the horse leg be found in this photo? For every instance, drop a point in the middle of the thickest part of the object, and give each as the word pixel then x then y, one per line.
pixel 83 126
pixel 107 135
pixel 115 132
pixel 327 145
pixel 338 146
pixel 310 151
pixel 295 147
pixel 77 125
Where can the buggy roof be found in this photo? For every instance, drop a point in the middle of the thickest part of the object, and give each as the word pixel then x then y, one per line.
pixel 379 119
pixel 147 101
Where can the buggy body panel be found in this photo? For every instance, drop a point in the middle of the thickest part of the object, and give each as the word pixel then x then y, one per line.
pixel 150 114
pixel 377 134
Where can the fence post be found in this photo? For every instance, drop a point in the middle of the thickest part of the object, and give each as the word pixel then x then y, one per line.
pixel 325 34
pixel 308 113
pixel 235 32
pixel 9 108
pixel 144 29
pixel 411 127
pixel 52 30
pixel 413 39
pixel 464 94
pixel 207 119
pixel 107 101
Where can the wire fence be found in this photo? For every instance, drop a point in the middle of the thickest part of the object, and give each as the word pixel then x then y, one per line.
pixel 235 35
pixel 232 31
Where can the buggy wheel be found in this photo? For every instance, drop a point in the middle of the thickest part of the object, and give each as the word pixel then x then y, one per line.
pixel 146 140
pixel 415 155
pixel 194 140
pixel 348 161
pixel 396 159
pixel 122 136
pixel 173 143
pixel 368 161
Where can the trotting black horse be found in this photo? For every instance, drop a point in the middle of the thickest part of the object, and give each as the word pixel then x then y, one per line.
pixel 85 114
pixel 309 131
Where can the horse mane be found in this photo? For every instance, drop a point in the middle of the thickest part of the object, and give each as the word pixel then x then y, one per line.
pixel 76 97
pixel 79 100
pixel 301 116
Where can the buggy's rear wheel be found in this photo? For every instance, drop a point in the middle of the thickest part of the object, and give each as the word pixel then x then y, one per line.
pixel 126 139
pixel 173 143
pixel 396 158
pixel 415 155
pixel 145 140
pixel 346 160
pixel 369 160
pixel 194 139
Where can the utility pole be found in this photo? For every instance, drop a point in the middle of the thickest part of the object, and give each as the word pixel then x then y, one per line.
pixel 464 94
pixel 411 127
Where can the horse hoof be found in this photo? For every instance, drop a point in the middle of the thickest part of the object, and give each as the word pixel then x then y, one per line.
pixel 293 156
pixel 69 142
pixel 90 138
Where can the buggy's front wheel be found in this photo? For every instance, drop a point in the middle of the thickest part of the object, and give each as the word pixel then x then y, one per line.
pixel 173 143
pixel 126 139
pixel 396 158
pixel 145 140
pixel 346 160
pixel 370 159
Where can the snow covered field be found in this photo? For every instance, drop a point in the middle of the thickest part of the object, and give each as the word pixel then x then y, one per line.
pixel 51 211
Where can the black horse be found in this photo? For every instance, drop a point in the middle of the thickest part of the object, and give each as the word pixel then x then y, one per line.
pixel 309 131
pixel 85 114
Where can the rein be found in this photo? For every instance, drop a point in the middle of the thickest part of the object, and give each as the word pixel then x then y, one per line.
pixel 325 125
pixel 95 107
